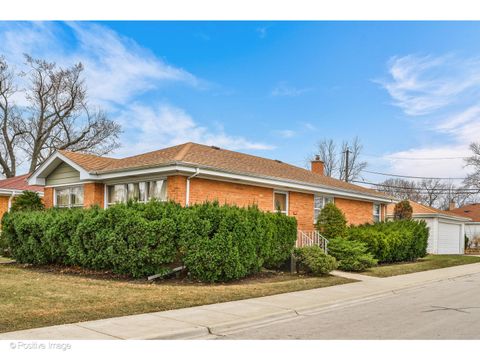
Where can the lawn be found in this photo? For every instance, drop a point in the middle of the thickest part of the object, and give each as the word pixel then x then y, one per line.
pixel 34 297
pixel 429 262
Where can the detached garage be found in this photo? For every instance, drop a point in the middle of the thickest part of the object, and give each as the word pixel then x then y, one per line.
pixel 447 230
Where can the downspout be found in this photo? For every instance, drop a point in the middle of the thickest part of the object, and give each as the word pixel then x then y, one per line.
pixel 187 197
pixel 10 199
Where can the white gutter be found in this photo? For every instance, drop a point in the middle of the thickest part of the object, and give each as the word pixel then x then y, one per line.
pixel 187 197
pixel 437 215
pixel 10 199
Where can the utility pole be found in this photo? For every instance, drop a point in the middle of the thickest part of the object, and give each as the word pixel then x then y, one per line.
pixel 347 154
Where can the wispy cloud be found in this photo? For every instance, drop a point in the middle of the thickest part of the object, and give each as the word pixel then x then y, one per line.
pixel 284 89
pixel 421 85
pixel 167 125
pixel 262 31
pixel 442 94
pixel 118 71
pixel 286 134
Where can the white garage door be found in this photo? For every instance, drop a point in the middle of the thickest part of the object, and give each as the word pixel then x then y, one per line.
pixel 448 238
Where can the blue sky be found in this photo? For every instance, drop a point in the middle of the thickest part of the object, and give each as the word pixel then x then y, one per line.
pixel 406 89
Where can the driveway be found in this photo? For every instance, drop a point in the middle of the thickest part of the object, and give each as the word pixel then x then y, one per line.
pixel 448 309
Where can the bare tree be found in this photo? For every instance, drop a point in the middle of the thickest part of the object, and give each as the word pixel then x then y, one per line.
pixel 355 165
pixel 10 121
pixel 432 190
pixel 400 189
pixel 473 179
pixel 57 117
pixel 334 160
pixel 327 150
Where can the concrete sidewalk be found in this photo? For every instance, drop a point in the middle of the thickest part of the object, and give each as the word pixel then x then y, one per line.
pixel 218 319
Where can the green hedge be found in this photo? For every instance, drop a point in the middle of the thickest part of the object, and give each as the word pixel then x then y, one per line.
pixel 221 243
pixel 393 241
pixel 215 243
pixel 312 259
pixel 351 255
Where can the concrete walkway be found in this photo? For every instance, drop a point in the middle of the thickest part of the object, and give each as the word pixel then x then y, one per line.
pixel 218 319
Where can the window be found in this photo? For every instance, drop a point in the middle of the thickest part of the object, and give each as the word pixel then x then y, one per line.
pixel 376 213
pixel 280 202
pixel 69 197
pixel 319 202
pixel 137 191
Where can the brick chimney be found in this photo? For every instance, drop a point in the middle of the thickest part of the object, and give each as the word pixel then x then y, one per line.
pixel 451 205
pixel 317 165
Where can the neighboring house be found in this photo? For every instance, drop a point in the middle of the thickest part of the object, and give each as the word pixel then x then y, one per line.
pixel 193 173
pixel 447 230
pixel 12 187
pixel 472 228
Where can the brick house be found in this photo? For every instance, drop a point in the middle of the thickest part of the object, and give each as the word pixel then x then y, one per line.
pixel 192 173
pixel 12 187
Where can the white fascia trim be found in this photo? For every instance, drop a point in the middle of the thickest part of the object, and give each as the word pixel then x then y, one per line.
pixel 435 215
pixel 143 172
pixel 287 185
pixel 16 192
pixel 39 175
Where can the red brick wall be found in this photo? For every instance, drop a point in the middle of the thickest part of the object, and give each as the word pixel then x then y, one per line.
pixel 48 197
pixel 3 205
pixel 230 193
pixel 300 205
pixel 176 189
pixel 93 194
pixel 357 212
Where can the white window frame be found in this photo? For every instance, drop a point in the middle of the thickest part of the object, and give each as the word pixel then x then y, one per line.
pixel 132 181
pixel 379 212
pixel 286 201
pixel 324 202
pixel 69 188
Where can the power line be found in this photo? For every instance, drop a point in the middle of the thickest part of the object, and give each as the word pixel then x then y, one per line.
pixel 386 157
pixel 456 191
pixel 412 177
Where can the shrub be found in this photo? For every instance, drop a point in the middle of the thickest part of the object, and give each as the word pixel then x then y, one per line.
pixel 215 243
pixel 403 210
pixel 222 243
pixel 27 201
pixel 312 259
pixel 280 233
pixel 393 241
pixel 351 255
pixel 121 239
pixel 331 221
pixel 40 237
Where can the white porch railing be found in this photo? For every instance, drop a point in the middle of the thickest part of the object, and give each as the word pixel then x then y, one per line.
pixel 311 238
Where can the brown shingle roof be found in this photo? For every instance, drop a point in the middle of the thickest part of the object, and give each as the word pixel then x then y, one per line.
pixel 424 209
pixel 215 158
pixel 87 161
pixel 19 183
pixel 472 211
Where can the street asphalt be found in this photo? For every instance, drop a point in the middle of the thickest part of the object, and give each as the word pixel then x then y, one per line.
pixel 448 309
